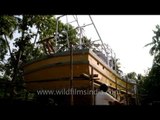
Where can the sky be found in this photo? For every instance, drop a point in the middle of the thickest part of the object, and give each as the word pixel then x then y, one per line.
pixel 126 35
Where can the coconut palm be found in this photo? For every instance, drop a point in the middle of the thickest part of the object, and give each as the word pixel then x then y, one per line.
pixel 155 49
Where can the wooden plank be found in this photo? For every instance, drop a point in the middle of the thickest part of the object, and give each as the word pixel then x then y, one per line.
pixel 78 84
pixel 57 72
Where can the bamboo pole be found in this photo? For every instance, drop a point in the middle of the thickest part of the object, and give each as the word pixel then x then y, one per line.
pixel 71 74
pixel 92 85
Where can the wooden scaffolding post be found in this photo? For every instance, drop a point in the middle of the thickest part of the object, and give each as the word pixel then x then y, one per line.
pixel 116 87
pixel 92 85
pixel 71 73
pixel 127 91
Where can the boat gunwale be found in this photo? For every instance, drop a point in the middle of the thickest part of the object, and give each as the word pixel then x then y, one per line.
pixel 59 54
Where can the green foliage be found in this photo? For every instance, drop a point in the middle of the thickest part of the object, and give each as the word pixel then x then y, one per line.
pixel 3 48
pixel 117 66
pixel 155 42
pixel 8 26
pixel 25 50
pixel 87 42
pixel 149 88
pixel 132 75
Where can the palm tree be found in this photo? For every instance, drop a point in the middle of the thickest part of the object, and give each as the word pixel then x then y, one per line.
pixel 117 66
pixel 155 49
pixel 150 84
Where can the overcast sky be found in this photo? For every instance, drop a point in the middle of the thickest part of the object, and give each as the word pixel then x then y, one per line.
pixel 127 35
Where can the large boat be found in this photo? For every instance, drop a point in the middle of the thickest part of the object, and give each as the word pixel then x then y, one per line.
pixel 73 76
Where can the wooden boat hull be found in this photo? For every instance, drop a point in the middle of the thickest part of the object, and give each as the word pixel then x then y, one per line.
pixel 54 73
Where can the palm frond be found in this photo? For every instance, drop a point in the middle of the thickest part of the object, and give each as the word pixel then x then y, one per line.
pixel 152 50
